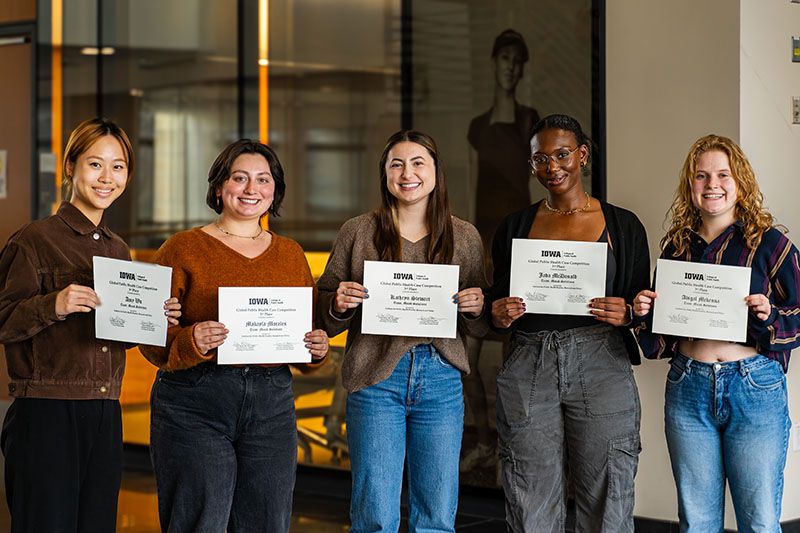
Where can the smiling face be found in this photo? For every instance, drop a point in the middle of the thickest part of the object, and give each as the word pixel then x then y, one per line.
pixel 714 189
pixel 564 175
pixel 410 173
pixel 99 176
pixel 508 67
pixel 249 190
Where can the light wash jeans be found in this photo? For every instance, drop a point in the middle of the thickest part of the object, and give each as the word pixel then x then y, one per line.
pixel 727 421
pixel 567 401
pixel 416 415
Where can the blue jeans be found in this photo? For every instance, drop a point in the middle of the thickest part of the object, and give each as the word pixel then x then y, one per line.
pixel 416 414
pixel 727 420
pixel 223 441
pixel 567 401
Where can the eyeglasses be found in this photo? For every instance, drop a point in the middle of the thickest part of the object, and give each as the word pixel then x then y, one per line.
pixel 560 157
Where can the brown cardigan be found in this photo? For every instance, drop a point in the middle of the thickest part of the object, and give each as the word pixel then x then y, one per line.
pixel 200 265
pixel 369 359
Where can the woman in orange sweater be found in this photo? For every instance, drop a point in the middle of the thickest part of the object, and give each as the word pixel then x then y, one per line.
pixel 223 439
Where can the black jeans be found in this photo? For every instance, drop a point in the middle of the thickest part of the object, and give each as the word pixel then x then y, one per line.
pixel 63 464
pixel 223 440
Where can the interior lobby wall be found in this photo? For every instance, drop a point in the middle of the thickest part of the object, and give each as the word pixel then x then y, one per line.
pixel 768 81
pixel 676 71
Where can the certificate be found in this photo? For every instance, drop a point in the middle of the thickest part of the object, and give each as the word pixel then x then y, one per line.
pixel 410 299
pixel 701 300
pixel 132 296
pixel 266 324
pixel 558 277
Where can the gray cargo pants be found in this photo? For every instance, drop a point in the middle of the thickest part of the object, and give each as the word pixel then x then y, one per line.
pixel 568 398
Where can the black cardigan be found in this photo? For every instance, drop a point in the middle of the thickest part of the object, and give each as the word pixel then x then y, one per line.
pixel 629 246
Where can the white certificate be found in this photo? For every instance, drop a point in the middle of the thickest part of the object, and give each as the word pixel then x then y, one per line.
pixel 701 300
pixel 558 277
pixel 410 299
pixel 266 324
pixel 132 296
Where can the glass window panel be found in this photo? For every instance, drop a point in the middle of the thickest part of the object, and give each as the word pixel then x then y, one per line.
pixel 184 83
pixel 333 101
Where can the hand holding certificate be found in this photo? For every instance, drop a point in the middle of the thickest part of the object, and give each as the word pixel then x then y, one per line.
pixel 701 300
pixel 410 299
pixel 558 277
pixel 132 296
pixel 266 325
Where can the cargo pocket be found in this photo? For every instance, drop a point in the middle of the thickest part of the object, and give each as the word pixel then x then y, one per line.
pixel 516 387
pixel 623 461
pixel 509 476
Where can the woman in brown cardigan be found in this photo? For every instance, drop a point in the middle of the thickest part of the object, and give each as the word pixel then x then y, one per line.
pixel 405 398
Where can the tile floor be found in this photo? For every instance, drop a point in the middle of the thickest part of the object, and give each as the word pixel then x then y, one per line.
pixel 321 503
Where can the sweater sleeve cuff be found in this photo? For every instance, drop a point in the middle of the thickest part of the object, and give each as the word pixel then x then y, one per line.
pixel 307 368
pixel 185 353
pixel 341 317
pixel 762 324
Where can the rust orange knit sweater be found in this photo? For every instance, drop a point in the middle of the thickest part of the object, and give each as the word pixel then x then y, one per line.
pixel 200 264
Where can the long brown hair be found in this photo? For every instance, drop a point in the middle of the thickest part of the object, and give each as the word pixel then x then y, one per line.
pixel 438 217
pixel 754 217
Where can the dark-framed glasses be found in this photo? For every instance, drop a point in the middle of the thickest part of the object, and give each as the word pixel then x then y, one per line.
pixel 560 157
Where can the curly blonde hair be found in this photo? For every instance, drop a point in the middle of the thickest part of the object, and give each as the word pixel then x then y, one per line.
pixel 754 217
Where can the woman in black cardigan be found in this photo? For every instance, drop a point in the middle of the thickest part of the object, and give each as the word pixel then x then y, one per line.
pixel 566 396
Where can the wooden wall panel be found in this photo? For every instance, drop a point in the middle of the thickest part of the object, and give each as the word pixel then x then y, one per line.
pixel 17 11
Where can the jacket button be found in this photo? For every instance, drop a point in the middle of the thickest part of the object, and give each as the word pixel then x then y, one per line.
pixel 12 387
pixel 103 389
pixel 104 349
pixel 96 236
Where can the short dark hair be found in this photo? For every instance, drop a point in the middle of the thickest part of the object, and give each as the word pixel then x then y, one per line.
pixel 510 37
pixel 566 123
pixel 220 171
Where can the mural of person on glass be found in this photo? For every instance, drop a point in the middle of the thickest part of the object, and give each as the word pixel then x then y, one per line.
pixel 499 140
pixel 499 149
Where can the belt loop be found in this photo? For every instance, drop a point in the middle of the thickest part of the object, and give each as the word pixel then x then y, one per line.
pixel 742 367
pixel 689 361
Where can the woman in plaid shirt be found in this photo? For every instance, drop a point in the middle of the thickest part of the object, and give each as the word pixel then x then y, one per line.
pixel 726 411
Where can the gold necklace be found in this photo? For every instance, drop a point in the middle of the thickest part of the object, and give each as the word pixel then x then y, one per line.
pixel 226 232
pixel 571 211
